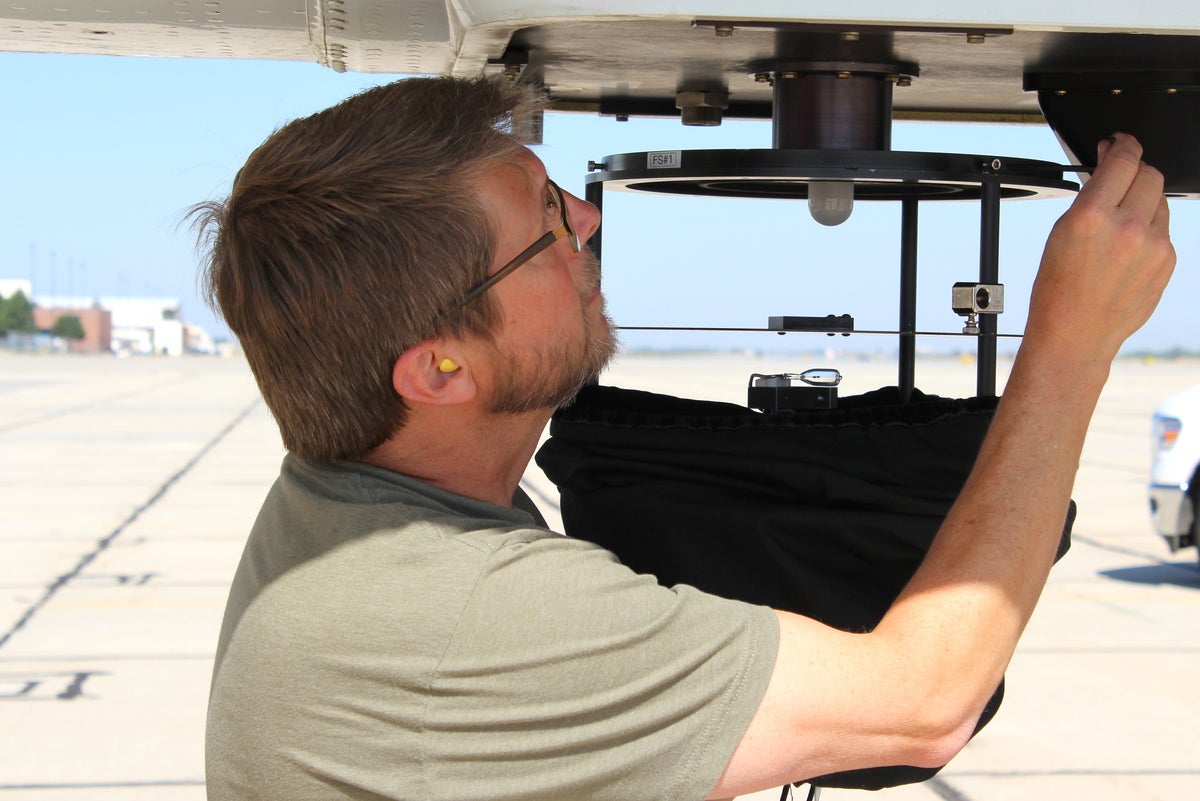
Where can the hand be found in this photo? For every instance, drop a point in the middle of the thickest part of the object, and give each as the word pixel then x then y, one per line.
pixel 1108 258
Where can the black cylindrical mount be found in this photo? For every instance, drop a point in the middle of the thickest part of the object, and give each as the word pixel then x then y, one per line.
pixel 834 110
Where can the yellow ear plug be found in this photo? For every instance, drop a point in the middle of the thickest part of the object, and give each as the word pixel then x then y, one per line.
pixel 447 366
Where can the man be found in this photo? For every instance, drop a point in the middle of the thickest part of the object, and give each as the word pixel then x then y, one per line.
pixel 401 625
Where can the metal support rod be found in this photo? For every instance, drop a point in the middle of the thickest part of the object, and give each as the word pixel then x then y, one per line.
pixel 989 273
pixel 908 297
pixel 594 193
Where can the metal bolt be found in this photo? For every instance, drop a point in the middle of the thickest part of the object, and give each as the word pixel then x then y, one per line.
pixel 1172 91
pixel 850 36
pixel 700 107
pixel 891 78
pixel 762 77
pixel 723 31
pixel 904 80
pixel 976 38
pixel 1116 91
pixel 788 75
pixel 843 74
pixel 595 165
pixel 622 118
pixel 1060 92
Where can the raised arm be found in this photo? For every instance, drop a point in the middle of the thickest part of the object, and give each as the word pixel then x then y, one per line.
pixel 911 691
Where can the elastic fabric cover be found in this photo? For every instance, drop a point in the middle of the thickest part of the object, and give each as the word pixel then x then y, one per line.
pixel 826 513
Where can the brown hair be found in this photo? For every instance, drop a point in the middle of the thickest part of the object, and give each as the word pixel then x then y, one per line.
pixel 349 236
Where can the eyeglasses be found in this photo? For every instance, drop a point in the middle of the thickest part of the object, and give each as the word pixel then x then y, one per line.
pixel 563 229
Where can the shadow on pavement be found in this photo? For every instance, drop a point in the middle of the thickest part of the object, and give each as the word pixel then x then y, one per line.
pixel 1179 574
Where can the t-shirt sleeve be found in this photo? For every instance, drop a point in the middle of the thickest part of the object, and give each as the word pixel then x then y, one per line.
pixel 570 676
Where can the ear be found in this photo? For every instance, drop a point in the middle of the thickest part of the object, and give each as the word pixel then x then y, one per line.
pixel 422 375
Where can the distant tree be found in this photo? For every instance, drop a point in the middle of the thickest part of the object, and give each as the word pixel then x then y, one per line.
pixel 16 313
pixel 68 327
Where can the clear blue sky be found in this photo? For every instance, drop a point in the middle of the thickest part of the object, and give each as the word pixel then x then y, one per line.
pixel 102 155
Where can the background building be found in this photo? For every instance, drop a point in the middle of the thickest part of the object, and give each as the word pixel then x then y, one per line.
pixel 97 327
pixel 122 325
pixel 10 285
pixel 146 326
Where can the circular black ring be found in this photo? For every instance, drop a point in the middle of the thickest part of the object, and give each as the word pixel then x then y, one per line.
pixel 876 174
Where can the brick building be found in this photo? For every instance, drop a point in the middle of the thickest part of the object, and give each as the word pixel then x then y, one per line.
pixel 97 327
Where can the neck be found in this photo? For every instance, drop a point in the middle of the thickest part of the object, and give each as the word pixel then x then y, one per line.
pixel 477 456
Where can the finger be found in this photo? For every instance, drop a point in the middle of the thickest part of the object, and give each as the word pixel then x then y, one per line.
pixel 1160 225
pixel 1159 231
pixel 1144 197
pixel 1115 173
pixel 1162 215
pixel 1123 140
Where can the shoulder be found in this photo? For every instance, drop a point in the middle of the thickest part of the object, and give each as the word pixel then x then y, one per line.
pixel 555 588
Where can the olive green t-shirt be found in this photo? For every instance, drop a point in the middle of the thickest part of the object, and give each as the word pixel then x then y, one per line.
pixel 388 640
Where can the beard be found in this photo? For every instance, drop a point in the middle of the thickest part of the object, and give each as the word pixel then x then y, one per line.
pixel 554 376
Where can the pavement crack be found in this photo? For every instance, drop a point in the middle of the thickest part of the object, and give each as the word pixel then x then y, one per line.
pixel 103 544
pixel 945 790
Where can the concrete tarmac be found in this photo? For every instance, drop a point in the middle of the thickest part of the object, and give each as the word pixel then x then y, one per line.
pixel 127 487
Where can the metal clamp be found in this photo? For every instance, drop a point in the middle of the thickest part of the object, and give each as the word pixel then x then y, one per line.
pixel 970 299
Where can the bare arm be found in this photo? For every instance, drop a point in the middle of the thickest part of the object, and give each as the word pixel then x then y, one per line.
pixel 911 691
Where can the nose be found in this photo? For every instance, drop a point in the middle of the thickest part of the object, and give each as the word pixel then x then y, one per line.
pixel 585 218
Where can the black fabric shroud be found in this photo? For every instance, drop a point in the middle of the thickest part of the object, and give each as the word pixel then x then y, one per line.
pixel 826 513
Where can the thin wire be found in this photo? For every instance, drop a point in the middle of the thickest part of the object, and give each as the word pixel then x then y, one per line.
pixel 829 332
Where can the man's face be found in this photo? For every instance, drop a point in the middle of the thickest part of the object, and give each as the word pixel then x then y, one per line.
pixel 555 335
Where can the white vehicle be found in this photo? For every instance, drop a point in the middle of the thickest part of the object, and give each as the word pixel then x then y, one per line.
pixel 1175 471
